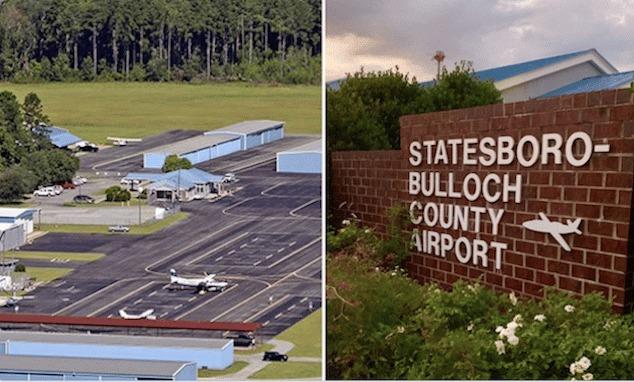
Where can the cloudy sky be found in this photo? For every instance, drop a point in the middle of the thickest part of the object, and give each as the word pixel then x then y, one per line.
pixel 379 34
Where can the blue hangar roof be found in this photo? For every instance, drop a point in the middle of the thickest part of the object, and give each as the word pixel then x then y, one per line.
pixel 58 136
pixel 186 178
pixel 593 84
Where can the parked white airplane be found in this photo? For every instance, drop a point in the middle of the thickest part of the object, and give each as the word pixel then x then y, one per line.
pixel 6 283
pixel 555 229
pixel 202 284
pixel 148 314
pixel 123 141
pixel 8 301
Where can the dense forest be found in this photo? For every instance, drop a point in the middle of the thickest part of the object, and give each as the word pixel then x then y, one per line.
pixel 160 40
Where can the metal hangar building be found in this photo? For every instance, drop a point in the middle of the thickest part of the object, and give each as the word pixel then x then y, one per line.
pixel 253 133
pixel 304 159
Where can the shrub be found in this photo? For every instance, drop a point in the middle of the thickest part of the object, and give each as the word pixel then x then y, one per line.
pixel 117 194
pixel 383 325
pixel 20 268
pixel 174 162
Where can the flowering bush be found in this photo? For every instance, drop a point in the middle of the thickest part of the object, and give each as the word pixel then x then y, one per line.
pixel 383 325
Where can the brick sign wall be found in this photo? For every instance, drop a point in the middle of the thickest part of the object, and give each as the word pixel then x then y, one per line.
pixel 541 197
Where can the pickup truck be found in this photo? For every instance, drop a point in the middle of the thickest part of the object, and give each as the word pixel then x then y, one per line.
pixel 119 228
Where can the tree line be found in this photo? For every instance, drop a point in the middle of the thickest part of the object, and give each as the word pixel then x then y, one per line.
pixel 27 157
pixel 160 40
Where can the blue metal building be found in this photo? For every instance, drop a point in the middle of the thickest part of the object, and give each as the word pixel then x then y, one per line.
pixel 196 149
pixel 210 353
pixel 304 159
pixel 593 84
pixel 253 133
pixel 59 137
pixel 188 184
pixel 36 368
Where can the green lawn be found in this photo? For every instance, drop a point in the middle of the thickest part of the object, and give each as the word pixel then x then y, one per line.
pixel 289 370
pixel 236 367
pixel 72 256
pixel 133 203
pixel 95 111
pixel 143 229
pixel 306 335
pixel 45 274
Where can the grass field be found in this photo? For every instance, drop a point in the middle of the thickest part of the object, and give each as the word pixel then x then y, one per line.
pixel 45 274
pixel 143 229
pixel 236 367
pixel 95 111
pixel 289 370
pixel 71 256
pixel 306 335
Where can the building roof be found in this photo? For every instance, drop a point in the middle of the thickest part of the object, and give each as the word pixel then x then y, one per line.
pixel 193 144
pixel 15 212
pixel 312 147
pixel 592 84
pixel 186 178
pixel 58 136
pixel 112 339
pixel 247 127
pixel 55 365
pixel 20 318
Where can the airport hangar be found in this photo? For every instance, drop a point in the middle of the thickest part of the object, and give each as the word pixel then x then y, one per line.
pixel 15 226
pixel 216 143
pixel 38 368
pixel 305 159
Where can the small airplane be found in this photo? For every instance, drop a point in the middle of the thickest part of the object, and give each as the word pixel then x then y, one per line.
pixel 202 284
pixel 123 141
pixel 9 301
pixel 148 314
pixel 6 283
pixel 555 229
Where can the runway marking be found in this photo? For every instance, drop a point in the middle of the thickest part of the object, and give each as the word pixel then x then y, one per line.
pixel 268 307
pixel 292 213
pixel 268 257
pixel 280 250
pixel 163 315
pixel 59 284
pixel 107 306
pixel 291 307
pixel 243 245
pixel 226 243
pixel 304 299
pixel 178 306
pixel 257 262
pixel 294 252
pixel 88 297
pixel 152 294
pixel 278 315
pixel 192 299
pixel 266 323
pixel 267 288
pixel 292 243
pixel 147 269
pixel 137 301
pixel 220 258
pixel 205 303
pixel 255 239
pixel 231 252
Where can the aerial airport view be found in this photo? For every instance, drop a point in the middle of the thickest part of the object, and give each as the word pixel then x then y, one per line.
pixel 176 214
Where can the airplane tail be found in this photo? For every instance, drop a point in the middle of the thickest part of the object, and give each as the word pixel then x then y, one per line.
pixel 123 314
pixel 575 225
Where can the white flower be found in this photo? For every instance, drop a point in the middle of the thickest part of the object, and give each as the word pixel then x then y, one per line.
pixel 513 340
pixel 587 377
pixel 512 326
pixel 499 346
pixel 367 230
pixel 518 319
pixel 608 324
pixel 499 329
pixel 575 368
pixel 569 308
pixel 377 269
pixel 470 327
pixel 393 273
pixel 540 318
pixel 513 298
pixel 345 222
pixel 401 329
pixel 600 350
pixel 585 363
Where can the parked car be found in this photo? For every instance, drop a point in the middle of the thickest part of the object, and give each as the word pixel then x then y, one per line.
pixel 119 228
pixel 79 180
pixel 44 191
pixel 242 339
pixel 229 177
pixel 57 189
pixel 68 185
pixel 274 356
pixel 90 147
pixel 83 199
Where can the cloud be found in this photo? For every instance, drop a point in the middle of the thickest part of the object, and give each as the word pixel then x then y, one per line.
pixel 379 34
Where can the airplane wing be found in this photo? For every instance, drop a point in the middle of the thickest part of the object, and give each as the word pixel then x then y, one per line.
pixel 543 217
pixel 561 241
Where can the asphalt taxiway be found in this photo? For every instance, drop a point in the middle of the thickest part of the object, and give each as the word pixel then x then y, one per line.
pixel 265 240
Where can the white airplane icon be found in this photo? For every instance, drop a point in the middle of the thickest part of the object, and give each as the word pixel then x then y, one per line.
pixel 555 229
